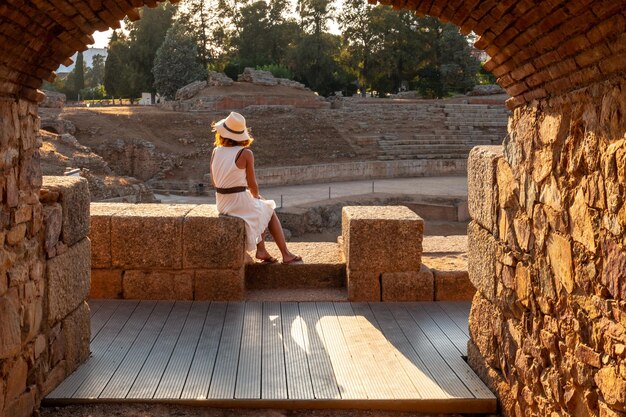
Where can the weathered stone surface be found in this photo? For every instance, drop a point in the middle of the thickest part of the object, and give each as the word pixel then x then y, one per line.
pixel 219 79
pixel 74 199
pixel 68 278
pixel 482 188
pixel 260 77
pixel 190 90
pixel 158 285
pixel 16 375
pixel 486 90
pixel 408 286
pixel 76 334
pixel 23 406
pixel 211 240
pixel 612 387
pixel 148 236
pixel 581 225
pixel 220 284
pixel 453 286
pixel 382 239
pixel 560 257
pixel 363 286
pixel 106 283
pixel 53 99
pixel 482 267
pixel 100 232
pixel 53 221
pixel 614 269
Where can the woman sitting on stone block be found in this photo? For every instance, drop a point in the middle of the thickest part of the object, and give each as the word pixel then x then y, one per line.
pixel 237 192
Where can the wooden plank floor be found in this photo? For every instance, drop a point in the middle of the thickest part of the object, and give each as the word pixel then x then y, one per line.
pixel 394 356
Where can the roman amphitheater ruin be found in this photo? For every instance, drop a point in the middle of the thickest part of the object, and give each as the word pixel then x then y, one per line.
pixel 547 241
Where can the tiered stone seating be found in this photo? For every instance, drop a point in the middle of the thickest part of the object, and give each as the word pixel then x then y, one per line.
pixel 421 131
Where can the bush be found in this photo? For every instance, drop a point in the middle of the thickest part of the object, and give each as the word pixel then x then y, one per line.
pixel 277 71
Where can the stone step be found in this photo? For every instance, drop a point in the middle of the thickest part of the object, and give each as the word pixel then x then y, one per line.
pixel 299 295
pixel 456 150
pixel 323 267
pixel 454 157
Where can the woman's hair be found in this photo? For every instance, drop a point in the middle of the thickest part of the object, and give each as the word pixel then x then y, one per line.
pixel 220 141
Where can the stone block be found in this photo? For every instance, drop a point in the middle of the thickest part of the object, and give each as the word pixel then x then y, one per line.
pixel 363 286
pixel 68 278
pixel 158 285
pixel 382 239
pixel 560 258
pixel 148 236
pixel 23 406
pixel 17 372
pixel 482 190
pixel 106 283
pixel 220 284
pixel 76 334
pixel 481 256
pixel 74 199
pixel 453 286
pixel 408 286
pixel 211 240
pixel 54 378
pixel 100 232
pixel 484 333
pixel 10 330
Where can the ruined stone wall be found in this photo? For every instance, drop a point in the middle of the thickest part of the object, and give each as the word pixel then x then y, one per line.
pixel 547 253
pixel 166 252
pixel 44 329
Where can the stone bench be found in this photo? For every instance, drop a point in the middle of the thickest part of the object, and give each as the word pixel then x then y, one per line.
pixel 161 251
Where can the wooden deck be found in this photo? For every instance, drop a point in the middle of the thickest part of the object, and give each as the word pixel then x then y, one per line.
pixel 395 356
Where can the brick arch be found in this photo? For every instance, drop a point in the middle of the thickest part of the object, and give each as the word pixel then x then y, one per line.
pixel 537 48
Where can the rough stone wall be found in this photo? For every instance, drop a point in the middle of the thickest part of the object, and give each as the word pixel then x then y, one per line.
pixel 44 329
pixel 547 253
pixel 158 251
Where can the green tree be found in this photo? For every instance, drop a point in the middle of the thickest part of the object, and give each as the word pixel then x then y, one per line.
pixel 145 37
pixel 116 67
pixel 94 76
pixel 79 73
pixel 177 62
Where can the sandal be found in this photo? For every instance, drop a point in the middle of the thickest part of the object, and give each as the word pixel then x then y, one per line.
pixel 268 260
pixel 297 259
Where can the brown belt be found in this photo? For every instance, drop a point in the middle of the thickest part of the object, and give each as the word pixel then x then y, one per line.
pixel 231 190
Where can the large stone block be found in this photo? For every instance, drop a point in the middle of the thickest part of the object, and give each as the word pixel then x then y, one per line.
pixel 74 199
pixel 10 332
pixel 17 372
pixel 408 286
pixel 483 333
pixel 364 286
pixel 220 284
pixel 100 232
pixel 148 236
pixel 453 286
pixel 211 240
pixel 23 406
pixel 382 239
pixel 76 334
pixel 482 260
pixel 482 190
pixel 68 280
pixel 106 283
pixel 158 285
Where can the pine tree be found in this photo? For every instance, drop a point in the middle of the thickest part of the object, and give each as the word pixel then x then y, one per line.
pixel 116 70
pixel 176 63
pixel 79 70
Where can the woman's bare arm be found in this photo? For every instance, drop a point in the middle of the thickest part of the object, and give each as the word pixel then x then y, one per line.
pixel 247 159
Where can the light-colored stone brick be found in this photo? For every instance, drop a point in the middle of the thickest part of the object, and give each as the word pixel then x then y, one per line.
pixel 211 240
pixel 68 280
pixel 408 286
pixel 453 286
pixel 100 232
pixel 106 283
pixel 482 190
pixel 74 199
pixel 220 284
pixel 382 239
pixel 148 236
pixel 482 260
pixel 76 334
pixel 158 285
pixel 363 286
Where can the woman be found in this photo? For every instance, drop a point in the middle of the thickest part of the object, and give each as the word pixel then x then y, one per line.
pixel 237 192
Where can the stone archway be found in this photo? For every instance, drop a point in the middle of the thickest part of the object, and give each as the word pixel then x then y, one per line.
pixel 547 250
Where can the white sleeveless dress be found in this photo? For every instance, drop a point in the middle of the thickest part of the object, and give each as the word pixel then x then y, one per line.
pixel 255 212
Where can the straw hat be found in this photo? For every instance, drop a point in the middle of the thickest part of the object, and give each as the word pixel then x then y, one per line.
pixel 233 127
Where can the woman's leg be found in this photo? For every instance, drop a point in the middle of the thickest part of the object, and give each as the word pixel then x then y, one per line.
pixel 276 231
pixel 261 252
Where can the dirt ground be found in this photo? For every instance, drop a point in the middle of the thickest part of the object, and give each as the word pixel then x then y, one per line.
pixel 143 410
